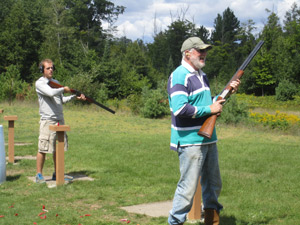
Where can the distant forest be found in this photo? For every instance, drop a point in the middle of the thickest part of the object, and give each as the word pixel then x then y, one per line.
pixel 90 58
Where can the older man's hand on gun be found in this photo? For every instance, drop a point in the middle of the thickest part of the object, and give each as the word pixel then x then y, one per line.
pixel 235 84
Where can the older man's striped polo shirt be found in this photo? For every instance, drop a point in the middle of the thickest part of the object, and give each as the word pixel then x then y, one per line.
pixel 189 99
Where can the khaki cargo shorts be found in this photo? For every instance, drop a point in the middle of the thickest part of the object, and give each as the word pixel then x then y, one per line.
pixel 47 138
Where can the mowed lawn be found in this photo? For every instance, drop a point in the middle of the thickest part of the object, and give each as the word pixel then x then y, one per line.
pixel 129 159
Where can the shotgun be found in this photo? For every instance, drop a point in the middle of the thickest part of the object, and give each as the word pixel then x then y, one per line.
pixel 207 128
pixel 78 93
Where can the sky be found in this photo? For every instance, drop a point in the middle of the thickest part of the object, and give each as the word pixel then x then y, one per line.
pixel 142 18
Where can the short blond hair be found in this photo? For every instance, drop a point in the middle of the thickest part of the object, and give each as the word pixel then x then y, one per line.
pixel 45 61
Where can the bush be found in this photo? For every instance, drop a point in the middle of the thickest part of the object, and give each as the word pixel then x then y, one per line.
pixel 11 84
pixel 155 102
pixel 285 91
pixel 135 102
pixel 234 111
pixel 102 93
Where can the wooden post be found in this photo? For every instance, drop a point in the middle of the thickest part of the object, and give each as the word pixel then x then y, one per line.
pixel 11 137
pixel 195 213
pixel 60 152
pixel 1 111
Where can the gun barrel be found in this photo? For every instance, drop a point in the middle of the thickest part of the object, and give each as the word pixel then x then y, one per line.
pixel 251 55
pixel 78 93
pixel 239 73
pixel 207 128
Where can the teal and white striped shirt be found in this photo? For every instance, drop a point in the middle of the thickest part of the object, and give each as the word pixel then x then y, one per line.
pixel 189 99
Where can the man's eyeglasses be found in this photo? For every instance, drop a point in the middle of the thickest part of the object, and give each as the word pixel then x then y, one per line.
pixel 201 50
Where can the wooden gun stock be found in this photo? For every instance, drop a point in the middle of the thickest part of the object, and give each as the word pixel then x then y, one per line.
pixel 207 128
pixel 78 93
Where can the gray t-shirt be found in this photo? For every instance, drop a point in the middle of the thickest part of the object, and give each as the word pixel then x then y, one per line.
pixel 50 100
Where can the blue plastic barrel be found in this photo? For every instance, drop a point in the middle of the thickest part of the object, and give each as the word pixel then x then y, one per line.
pixel 2 157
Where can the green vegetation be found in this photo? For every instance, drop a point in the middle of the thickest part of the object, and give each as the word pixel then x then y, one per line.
pixel 129 158
pixel 90 58
pixel 127 153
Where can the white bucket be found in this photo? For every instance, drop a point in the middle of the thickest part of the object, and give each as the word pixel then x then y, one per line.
pixel 2 157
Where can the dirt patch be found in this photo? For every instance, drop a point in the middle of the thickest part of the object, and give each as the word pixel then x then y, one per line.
pixel 155 209
pixel 20 143
pixel 29 157
pixel 51 183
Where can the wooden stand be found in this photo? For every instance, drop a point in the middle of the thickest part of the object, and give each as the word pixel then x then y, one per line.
pixel 60 152
pixel 11 137
pixel 195 213
pixel 1 110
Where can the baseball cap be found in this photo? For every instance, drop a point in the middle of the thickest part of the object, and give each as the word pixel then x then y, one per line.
pixel 194 42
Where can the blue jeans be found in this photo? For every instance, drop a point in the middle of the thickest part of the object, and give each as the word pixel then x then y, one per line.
pixel 196 161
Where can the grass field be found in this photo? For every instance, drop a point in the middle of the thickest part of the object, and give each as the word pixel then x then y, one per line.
pixel 130 160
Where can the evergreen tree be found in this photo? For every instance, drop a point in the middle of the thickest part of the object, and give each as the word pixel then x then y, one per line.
pixel 226 28
pixel 88 16
pixel 290 45
pixel 203 33
pixel 264 72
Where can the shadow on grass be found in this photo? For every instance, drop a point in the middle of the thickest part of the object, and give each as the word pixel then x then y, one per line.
pixel 231 220
pixel 228 220
pixel 13 178
pixel 81 173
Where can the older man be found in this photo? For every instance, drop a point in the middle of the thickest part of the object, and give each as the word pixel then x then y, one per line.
pixel 190 103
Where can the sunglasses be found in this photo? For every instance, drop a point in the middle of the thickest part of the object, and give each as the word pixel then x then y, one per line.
pixel 201 50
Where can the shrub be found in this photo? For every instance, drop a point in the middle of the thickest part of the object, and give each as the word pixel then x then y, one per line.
pixel 155 102
pixel 102 93
pixel 281 121
pixel 286 90
pixel 155 106
pixel 11 84
pixel 135 102
pixel 234 111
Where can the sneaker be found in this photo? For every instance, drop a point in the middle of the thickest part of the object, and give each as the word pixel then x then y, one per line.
pixel 39 178
pixel 67 177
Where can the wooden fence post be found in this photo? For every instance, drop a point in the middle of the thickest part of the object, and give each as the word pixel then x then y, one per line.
pixel 11 137
pixel 60 152
pixel 195 213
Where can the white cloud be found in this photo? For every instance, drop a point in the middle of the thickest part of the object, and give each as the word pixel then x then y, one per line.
pixel 137 22
pixel 284 6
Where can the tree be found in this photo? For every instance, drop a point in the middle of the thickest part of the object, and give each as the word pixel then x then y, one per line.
pixel 88 16
pixel 176 34
pixel 246 39
pixel 220 64
pixel 290 43
pixel 58 35
pixel 159 52
pixel 271 31
pixel 226 28
pixel 166 47
pixel 20 36
pixel 74 33
pixel 262 72
pixel 246 44
pixel 203 33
